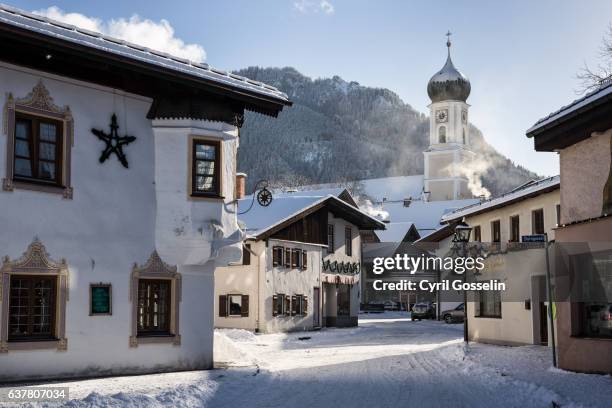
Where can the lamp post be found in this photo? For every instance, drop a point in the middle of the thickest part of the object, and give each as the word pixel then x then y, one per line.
pixel 460 240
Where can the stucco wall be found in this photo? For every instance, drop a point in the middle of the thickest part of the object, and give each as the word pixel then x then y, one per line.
pixel 585 168
pixel 109 225
pixel 523 209
pixel 515 326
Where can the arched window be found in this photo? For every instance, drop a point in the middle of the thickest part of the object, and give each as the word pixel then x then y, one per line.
pixel 463 135
pixel 442 134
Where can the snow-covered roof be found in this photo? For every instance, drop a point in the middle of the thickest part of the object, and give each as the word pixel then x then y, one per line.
pixel 394 188
pixel 324 192
pixel 394 232
pixel 44 26
pixel 523 192
pixel 605 91
pixel 258 220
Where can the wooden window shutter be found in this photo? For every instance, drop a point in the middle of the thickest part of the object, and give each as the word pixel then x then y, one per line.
pixel 246 254
pixel 305 305
pixel 244 310
pixel 222 305
pixel 304 260
pixel 277 256
pixel 287 305
pixel 288 257
pixel 295 258
pixel 294 305
pixel 274 305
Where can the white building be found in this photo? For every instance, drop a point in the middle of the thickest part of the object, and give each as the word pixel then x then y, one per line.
pixel 111 233
pixel 301 268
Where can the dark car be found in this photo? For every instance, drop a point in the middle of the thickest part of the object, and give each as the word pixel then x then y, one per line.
pixel 454 315
pixel 423 311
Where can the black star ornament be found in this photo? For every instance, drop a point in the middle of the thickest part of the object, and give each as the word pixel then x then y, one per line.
pixel 114 142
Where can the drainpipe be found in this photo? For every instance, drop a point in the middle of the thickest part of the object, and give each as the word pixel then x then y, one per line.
pixel 550 300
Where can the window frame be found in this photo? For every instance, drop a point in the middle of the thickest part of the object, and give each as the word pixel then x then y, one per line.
pixel 278 253
pixel 229 306
pixel 497 300
pixel 217 192
pixel 331 237
pixel 31 279
pixel 514 238
pixel 38 104
pixel 534 223
pixel 296 258
pixel 35 259
pixel 278 300
pixel 477 233
pixel 495 239
pixel 150 332
pixel 155 268
pixel 348 241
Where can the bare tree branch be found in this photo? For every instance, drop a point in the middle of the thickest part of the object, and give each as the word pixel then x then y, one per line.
pixel 592 79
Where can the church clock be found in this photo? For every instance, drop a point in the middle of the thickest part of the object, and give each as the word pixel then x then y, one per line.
pixel 441 115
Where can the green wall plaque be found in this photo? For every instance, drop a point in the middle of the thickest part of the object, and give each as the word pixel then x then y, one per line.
pixel 100 299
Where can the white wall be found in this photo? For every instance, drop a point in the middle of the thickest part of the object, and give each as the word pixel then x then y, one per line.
pixel 109 225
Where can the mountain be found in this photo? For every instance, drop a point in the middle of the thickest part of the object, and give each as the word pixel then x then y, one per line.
pixel 339 131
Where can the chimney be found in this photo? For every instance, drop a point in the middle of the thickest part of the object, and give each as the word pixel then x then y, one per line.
pixel 240 185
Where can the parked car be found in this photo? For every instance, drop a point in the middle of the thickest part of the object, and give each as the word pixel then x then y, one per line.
pixel 454 315
pixel 391 305
pixel 423 311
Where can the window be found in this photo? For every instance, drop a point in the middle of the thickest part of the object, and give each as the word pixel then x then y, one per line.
pixel 348 241
pixel 32 307
pixel 442 134
pixel 495 231
pixel 514 229
pixel 155 293
pixel 100 299
pixel 277 256
pixel 234 305
pixel 304 260
pixel 488 304
pixel 153 307
pixel 463 136
pixel 477 234
pixel 299 305
pixel 296 258
pixel 39 143
pixel 287 258
pixel 558 210
pixel 278 304
pixel 206 168
pixel 330 239
pixel 537 221
pixel 246 254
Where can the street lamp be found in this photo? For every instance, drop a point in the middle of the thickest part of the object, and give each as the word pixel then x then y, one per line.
pixel 461 239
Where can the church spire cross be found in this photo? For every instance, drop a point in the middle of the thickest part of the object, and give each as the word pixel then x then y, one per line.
pixel 448 36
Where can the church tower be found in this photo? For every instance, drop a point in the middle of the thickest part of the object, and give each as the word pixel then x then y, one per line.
pixel 449 141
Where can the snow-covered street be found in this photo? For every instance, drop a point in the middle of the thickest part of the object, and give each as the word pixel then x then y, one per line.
pixel 388 361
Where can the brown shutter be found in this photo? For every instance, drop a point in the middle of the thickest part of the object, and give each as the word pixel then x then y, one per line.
pixel 294 306
pixel 274 305
pixel 304 260
pixel 277 256
pixel 222 306
pixel 287 305
pixel 288 257
pixel 244 310
pixel 305 305
pixel 246 254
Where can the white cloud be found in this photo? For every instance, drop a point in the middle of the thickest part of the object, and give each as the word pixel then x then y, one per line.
pixel 159 36
pixel 312 6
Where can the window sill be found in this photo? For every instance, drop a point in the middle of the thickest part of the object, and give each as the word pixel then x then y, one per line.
pixel 150 338
pixel 11 185
pixel 204 197
pixel 34 344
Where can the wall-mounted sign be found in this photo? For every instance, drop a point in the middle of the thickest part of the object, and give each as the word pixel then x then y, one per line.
pixel 533 238
pixel 100 299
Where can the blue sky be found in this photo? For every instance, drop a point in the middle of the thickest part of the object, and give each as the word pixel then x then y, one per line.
pixel 521 56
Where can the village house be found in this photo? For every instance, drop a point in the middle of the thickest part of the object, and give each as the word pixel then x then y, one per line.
pixel 301 266
pixel 581 133
pixel 505 225
pixel 117 165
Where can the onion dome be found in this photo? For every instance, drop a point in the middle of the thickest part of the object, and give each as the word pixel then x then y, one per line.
pixel 448 83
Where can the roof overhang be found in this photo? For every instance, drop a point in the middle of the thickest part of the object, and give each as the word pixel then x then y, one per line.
pixel 574 123
pixel 25 47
